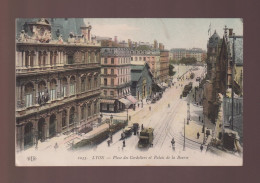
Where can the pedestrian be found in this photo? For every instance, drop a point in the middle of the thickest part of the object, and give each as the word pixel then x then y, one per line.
pixel 111 138
pixel 168 105
pixel 173 142
pixel 203 128
pixel 199 118
pixel 198 135
pixel 56 146
pixel 124 143
pixel 150 108
pixel 108 143
pixel 138 105
pixel 202 120
pixel 201 147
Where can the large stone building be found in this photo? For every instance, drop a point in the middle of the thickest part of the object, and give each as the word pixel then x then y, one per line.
pixel 57 83
pixel 223 89
pixel 115 79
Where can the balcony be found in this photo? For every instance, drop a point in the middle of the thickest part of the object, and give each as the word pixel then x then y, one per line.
pixel 21 110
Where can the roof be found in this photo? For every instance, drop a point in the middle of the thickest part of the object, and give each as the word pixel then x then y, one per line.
pixel 238 48
pixel 213 40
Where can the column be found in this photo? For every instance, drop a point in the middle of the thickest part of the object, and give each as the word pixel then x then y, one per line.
pixel 48 58
pixel 36 94
pixel 58 89
pixel 58 62
pixel 46 127
pixel 36 60
pixel 23 59
pixel 59 119
pixel 67 118
pixel 61 58
pixel 68 87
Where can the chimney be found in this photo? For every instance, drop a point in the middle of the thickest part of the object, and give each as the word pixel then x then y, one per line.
pixel 155 46
pixel 230 32
pixel 160 46
pixel 115 40
pixel 129 43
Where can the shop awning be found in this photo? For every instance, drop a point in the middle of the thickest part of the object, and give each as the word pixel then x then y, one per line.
pixel 126 102
pixel 107 101
pixel 132 99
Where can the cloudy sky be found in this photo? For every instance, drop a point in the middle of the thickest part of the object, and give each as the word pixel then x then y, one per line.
pixel 173 33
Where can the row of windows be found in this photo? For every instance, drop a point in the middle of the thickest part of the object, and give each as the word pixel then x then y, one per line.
pixel 44 93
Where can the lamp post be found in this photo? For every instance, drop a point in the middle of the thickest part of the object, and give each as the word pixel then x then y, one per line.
pixel 188 112
pixel 110 131
pixel 184 136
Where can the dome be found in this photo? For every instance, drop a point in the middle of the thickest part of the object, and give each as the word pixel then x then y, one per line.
pixel 214 39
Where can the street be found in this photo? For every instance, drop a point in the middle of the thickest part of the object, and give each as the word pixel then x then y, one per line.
pixel 166 117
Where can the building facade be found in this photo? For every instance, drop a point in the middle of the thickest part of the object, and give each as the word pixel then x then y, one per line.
pixel 141 80
pixel 164 66
pixel 57 84
pixel 115 78
pixel 178 53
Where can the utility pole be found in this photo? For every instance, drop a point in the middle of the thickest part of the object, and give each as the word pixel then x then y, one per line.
pixel 184 137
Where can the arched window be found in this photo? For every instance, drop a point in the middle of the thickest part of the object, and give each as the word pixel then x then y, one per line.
pixel 51 58
pixel 95 82
pixel 53 89
pixel 72 85
pixel 72 115
pixel 89 109
pixel 41 88
pixel 83 112
pixel 64 119
pixel 89 83
pixel 64 85
pixel 83 84
pixel 29 95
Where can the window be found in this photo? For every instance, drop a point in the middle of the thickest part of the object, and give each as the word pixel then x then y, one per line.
pixel 112 71
pixel 89 110
pixel 53 89
pixel 28 100
pixel 95 108
pixel 83 112
pixel 131 58
pixel 112 60
pixel 95 83
pixel 72 115
pixel 89 83
pixel 105 70
pixel 72 86
pixel 112 93
pixel 83 87
pixel 144 58
pixel 70 59
pixel 53 94
pixel 112 82
pixel 105 81
pixel 105 60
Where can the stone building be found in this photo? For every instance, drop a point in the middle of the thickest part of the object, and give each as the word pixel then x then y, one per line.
pixel 115 79
pixel 57 84
pixel 164 66
pixel 141 80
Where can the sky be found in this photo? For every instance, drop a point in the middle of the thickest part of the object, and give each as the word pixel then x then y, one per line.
pixel 172 32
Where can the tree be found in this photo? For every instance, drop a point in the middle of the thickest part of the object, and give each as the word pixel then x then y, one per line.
pixel 171 72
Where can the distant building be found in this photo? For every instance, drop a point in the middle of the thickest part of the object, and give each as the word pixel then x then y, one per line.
pixel 164 66
pixel 178 53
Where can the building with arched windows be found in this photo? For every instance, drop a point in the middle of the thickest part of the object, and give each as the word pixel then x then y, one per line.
pixel 57 83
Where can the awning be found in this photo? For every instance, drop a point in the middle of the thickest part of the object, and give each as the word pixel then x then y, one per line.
pixel 126 102
pixel 132 99
pixel 106 101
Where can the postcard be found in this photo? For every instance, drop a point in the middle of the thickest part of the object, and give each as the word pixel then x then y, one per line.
pixel 129 92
